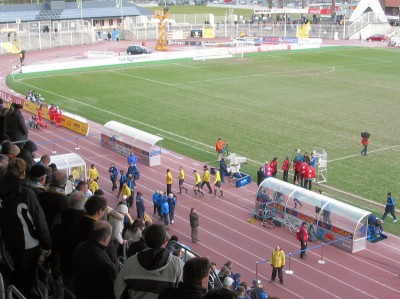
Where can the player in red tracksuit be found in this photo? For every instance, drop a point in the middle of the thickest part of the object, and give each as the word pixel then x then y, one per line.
pixel 267 170
pixel 52 111
pixel 309 175
pixel 285 169
pixel 274 165
pixel 302 172
pixel 296 168
pixel 364 141
pixel 58 116
pixel 40 113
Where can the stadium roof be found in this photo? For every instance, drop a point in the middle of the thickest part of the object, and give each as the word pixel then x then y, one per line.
pixel 90 10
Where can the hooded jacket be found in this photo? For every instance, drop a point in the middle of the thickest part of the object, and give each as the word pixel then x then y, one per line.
pixel 22 221
pixel 148 273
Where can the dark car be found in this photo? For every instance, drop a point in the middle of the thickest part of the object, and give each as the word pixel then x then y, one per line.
pixel 377 37
pixel 136 50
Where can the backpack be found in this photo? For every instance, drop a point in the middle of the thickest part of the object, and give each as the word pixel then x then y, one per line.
pixel 365 135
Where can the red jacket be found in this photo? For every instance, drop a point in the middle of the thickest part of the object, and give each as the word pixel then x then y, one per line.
pixel 285 165
pixel 296 165
pixel 267 170
pixel 364 141
pixel 310 173
pixel 274 165
pixel 303 168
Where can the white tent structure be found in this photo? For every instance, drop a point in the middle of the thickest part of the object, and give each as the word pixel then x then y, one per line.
pixel 366 6
pixel 124 139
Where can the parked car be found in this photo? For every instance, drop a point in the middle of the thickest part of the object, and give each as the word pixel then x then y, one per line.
pixel 377 37
pixel 136 50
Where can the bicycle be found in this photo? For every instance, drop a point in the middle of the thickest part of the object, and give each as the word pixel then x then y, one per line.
pixel 291 227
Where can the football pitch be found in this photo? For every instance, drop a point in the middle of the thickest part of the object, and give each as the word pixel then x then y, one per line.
pixel 265 105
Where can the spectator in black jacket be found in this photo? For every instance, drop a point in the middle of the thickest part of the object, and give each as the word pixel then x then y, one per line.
pixel 23 225
pixel 94 272
pixel 27 154
pixel 195 280
pixel 15 125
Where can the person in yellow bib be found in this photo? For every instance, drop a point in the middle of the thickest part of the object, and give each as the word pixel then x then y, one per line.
pixel 181 179
pixel 125 190
pixel 277 263
pixel 93 173
pixel 197 184
pixel 169 181
pixel 217 183
pixel 205 179
pixel 93 186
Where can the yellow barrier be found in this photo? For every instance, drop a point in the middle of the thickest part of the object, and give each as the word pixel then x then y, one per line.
pixel 66 122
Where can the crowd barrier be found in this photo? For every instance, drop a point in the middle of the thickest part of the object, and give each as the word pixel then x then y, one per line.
pixel 289 256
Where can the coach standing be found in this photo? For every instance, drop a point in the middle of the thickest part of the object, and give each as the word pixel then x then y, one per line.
pixel 302 235
pixel 389 207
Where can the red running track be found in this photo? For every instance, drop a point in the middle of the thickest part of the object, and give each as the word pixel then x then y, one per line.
pixel 225 233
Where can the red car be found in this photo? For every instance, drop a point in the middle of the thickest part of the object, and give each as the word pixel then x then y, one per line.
pixel 377 37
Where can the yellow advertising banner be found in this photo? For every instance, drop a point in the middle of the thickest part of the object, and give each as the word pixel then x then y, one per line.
pixel 67 122
pixel 209 33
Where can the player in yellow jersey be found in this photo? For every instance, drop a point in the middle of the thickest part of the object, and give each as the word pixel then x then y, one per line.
pixel 181 178
pixel 217 183
pixel 197 184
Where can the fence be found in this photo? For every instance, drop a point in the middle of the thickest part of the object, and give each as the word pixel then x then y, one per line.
pixel 289 256
pixel 45 34
pixel 145 28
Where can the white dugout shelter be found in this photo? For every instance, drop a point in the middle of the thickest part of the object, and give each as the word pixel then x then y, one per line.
pixel 71 164
pixel 335 222
pixel 124 139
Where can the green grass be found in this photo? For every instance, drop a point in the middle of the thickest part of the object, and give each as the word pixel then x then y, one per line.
pixel 264 104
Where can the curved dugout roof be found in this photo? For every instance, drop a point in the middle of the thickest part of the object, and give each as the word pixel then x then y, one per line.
pixel 349 216
pixel 90 10
pixel 129 135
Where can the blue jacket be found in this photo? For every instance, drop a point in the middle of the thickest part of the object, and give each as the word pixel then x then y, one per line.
pixel 155 198
pixel 132 159
pixel 172 202
pixel 131 184
pixel 113 172
pixel 390 201
pixel 159 200
pixel 165 208
pixel 122 178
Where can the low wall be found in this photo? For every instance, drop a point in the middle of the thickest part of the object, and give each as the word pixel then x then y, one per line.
pixel 208 49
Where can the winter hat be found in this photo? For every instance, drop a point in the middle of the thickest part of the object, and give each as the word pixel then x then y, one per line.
pixel 124 197
pixel 228 281
pixel 30 146
pixel 123 209
pixel 256 282
pixel 37 171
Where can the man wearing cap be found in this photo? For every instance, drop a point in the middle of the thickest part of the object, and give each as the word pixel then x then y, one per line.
pixel 37 178
pixel 390 207
pixel 257 290
pixel 16 127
